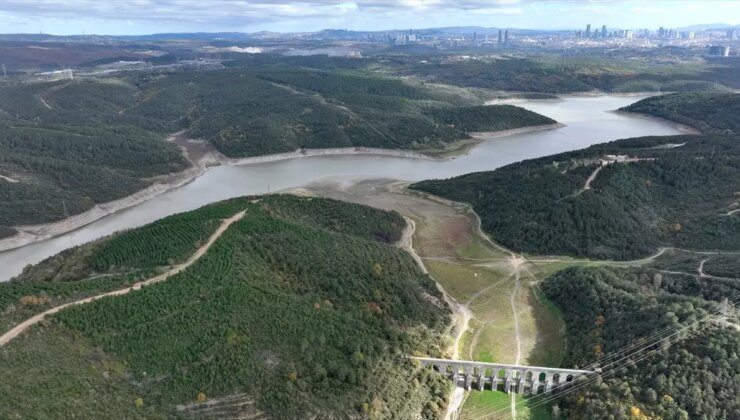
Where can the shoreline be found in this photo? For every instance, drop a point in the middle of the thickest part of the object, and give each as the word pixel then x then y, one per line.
pixel 202 156
pixel 29 234
pixel 486 135
pixel 338 151
pixel 687 129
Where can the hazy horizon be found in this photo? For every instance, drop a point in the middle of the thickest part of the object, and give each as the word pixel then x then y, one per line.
pixel 145 17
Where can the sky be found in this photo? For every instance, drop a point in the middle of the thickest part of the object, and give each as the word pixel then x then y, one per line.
pixel 135 17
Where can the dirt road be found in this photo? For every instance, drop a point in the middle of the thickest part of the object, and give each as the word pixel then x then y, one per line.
pixel 23 326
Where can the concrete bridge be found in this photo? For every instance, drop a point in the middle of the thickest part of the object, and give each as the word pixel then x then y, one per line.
pixel 507 378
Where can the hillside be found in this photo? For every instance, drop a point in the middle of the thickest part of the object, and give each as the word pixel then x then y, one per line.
pixel 614 71
pixel 301 308
pixel 707 112
pixel 659 197
pixel 73 144
pixel 607 309
pixel 285 109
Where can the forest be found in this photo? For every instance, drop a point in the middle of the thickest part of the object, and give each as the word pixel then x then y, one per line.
pixel 632 208
pixel 559 73
pixel 707 112
pixel 301 308
pixel 73 150
pixel 284 109
pixel 606 309
pixel 73 144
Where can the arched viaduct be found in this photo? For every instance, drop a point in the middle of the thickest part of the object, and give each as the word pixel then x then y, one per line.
pixel 507 378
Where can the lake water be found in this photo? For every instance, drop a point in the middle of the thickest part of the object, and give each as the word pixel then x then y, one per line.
pixel 588 121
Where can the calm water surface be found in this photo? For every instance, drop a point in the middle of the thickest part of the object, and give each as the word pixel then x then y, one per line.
pixel 588 121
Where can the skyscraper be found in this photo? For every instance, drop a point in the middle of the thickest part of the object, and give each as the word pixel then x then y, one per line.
pixel 588 31
pixel 506 36
pixel 500 36
pixel 603 31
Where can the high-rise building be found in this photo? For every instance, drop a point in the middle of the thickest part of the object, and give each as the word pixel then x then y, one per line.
pixel 506 36
pixel 588 31
pixel 732 34
pixel 719 50
pixel 661 32
pixel 500 36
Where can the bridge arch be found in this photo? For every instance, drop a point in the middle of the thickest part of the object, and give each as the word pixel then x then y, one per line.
pixel 508 378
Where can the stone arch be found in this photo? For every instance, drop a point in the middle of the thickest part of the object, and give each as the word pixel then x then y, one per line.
pixel 569 378
pixel 501 373
pixel 556 377
pixel 542 377
pixel 500 386
pixel 528 375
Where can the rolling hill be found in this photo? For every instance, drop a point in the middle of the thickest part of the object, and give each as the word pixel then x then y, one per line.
pixel 301 308
pixel 707 112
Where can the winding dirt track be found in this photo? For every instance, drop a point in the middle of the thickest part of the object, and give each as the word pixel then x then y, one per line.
pixel 461 314
pixel 23 326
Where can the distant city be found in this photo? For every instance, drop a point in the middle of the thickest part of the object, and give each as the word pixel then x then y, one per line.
pixel 718 42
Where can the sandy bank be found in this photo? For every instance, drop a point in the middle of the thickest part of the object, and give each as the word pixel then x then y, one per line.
pixel 341 151
pixel 485 135
pixel 681 127
pixel 34 233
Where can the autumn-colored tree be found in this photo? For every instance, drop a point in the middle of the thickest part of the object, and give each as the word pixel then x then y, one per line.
pixel 377 270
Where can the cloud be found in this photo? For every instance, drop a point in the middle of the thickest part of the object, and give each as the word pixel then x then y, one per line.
pixel 232 11
pixel 147 16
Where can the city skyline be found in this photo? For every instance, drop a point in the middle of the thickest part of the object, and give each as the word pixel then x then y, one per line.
pixel 72 17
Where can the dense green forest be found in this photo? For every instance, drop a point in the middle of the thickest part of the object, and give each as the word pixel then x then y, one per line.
pixel 606 309
pixel 558 73
pixel 299 309
pixel 631 209
pixel 284 109
pixel 707 112
pixel 73 144
pixel 70 146
pixel 515 74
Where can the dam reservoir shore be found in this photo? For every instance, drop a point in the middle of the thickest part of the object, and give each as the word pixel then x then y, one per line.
pixel 584 120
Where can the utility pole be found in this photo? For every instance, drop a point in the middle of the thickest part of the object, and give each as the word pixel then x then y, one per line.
pixel 725 311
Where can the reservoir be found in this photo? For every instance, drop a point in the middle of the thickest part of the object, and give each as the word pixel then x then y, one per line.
pixel 588 120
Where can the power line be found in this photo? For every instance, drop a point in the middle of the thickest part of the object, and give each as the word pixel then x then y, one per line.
pixel 624 361
pixel 551 397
